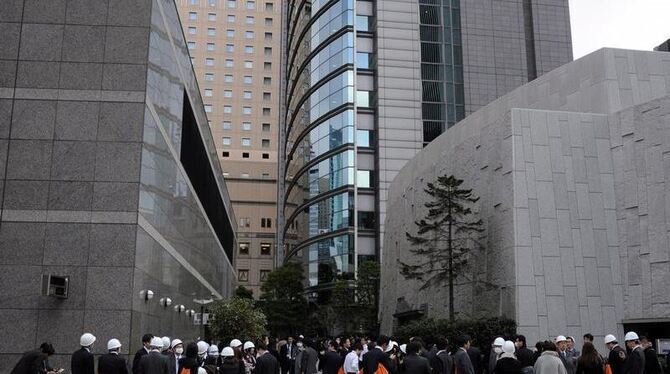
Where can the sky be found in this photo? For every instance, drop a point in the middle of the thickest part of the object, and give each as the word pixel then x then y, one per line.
pixel 629 24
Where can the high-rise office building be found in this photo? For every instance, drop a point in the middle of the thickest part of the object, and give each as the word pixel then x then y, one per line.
pixel 234 48
pixel 366 84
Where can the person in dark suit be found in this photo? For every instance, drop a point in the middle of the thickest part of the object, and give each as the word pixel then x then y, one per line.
pixel 146 342
pixel 287 355
pixel 154 362
pixel 414 363
pixel 309 358
pixel 332 361
pixel 442 363
pixel 523 354
pixel 477 359
pixel 376 356
pixel 82 360
pixel 461 358
pixel 651 363
pixel 266 363
pixel 111 363
pixel 36 361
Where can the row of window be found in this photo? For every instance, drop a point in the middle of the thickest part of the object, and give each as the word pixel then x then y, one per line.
pixel 243 275
pixel 229 78
pixel 230 48
pixel 231 18
pixel 230 33
pixel 245 142
pixel 246 126
pixel 264 156
pixel 229 63
pixel 247 175
pixel 246 110
pixel 249 4
pixel 266 223
pixel 247 95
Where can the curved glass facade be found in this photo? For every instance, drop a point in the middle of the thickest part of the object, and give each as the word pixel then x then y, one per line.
pixel 319 139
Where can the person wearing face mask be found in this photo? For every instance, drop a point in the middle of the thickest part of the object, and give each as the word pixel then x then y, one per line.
pixel 112 363
pixel 496 351
pixel 176 352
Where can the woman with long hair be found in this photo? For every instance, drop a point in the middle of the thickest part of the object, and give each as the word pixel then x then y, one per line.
pixel 190 360
pixel 589 362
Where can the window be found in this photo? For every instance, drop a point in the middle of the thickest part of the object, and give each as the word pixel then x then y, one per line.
pixel 229 63
pixel 227 109
pixel 363 23
pixel 211 16
pixel 226 140
pixel 246 142
pixel 266 156
pixel 245 154
pixel 249 34
pixel 265 175
pixel 191 45
pixel 249 49
pixel 230 48
pixel 267 66
pixel 230 33
pixel 363 98
pixel 248 79
pixel 211 2
pixel 251 4
pixel 245 222
pixel 208 108
pixel 231 18
pixel 243 248
pixel 232 3
pixel 209 76
pixel 265 143
pixel 244 175
pixel 246 110
pixel 249 64
pixel 227 125
pixel 264 275
pixel 246 126
pixel 269 7
pixel 243 275
pixel 228 93
pixel 363 60
pixel 267 81
pixel 366 220
pixel 247 95
pixel 210 46
pixel 266 249
pixel 267 96
pixel 211 31
pixel 194 2
pixel 266 127
pixel 225 154
pixel 268 21
pixel 228 78
pixel 209 61
pixel 266 111
pixel 266 223
pixel 268 51
pixel 209 92
pixel 364 178
pixel 192 30
pixel 250 20
pixel 268 36
pixel 363 138
pixel 192 16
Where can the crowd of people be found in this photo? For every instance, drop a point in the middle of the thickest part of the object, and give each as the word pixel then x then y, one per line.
pixel 357 355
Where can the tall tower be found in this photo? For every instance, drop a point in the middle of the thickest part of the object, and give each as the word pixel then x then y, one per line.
pixel 235 51
pixel 366 84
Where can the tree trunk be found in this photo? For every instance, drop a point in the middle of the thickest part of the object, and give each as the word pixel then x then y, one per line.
pixel 451 267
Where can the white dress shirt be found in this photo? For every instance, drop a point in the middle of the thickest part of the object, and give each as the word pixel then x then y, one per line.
pixel 351 362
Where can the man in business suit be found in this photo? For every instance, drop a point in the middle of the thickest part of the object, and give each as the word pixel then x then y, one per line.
pixel 154 362
pixel 414 363
pixel 82 360
pixel 111 363
pixel 377 356
pixel 309 358
pixel 287 355
pixel 266 363
pixel 146 342
pixel 461 357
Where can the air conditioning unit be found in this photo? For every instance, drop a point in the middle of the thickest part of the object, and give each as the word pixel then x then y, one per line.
pixel 55 285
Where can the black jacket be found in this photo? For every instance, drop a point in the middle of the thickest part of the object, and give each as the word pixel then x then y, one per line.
pixel 476 359
pixel 154 363
pixel 284 360
pixel 30 363
pixel 331 362
pixel 508 365
pixel 617 360
pixel 82 362
pixel 112 364
pixel 651 363
pixel 136 360
pixel 596 368
pixel 266 364
pixel 525 357
pixel 231 367
pixel 635 363
pixel 415 364
pixel 374 357
pixel 442 363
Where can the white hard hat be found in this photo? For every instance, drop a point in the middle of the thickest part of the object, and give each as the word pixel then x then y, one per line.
pixel 166 342
pixel 248 345
pixel 508 347
pixel 202 371
pixel 202 347
pixel 631 335
pixel 498 342
pixel 403 348
pixel 86 340
pixel 391 345
pixel 113 344
pixel 227 352
pixel 175 343
pixel 213 351
pixel 610 338
pixel 156 342
pixel 561 338
pixel 235 343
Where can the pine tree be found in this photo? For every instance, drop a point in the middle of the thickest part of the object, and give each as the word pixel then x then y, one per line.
pixel 445 236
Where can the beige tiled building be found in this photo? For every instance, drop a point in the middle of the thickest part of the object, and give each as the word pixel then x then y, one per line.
pixel 235 50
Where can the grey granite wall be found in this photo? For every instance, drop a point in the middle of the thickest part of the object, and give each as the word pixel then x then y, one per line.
pixel 83 167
